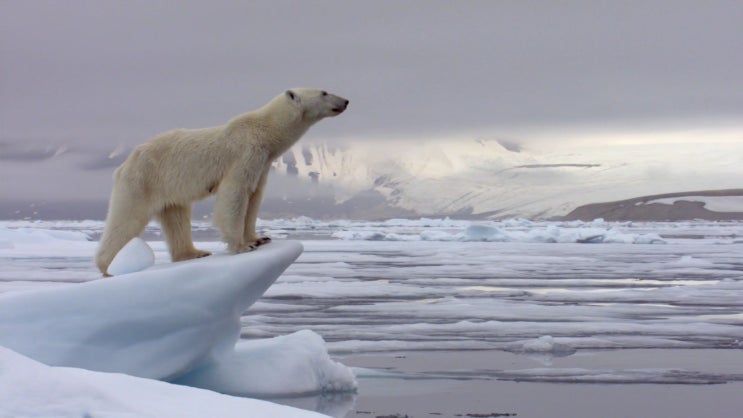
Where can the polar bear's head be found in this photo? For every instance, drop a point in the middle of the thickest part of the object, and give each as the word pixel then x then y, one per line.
pixel 315 104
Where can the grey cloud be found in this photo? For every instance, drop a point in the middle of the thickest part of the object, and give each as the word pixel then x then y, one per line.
pixel 412 67
pixel 90 159
pixel 103 162
pixel 26 155
pixel 18 151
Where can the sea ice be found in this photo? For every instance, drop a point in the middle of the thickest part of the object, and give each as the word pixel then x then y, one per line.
pixel 576 232
pixel 432 291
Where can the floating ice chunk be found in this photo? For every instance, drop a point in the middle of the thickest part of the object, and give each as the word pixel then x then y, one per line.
pixel 541 344
pixel 689 261
pixel 649 239
pixel 517 222
pixel 478 232
pixel 547 344
pixel 135 256
pixel 297 363
pixel 163 322
pixel 437 236
pixel 33 390
pixel 366 235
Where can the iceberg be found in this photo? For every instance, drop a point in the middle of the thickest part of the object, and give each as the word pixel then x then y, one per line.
pixel 171 321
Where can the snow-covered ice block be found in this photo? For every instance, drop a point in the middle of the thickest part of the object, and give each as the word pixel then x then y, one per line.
pixel 297 363
pixel 135 256
pixel 160 323
pixel 30 389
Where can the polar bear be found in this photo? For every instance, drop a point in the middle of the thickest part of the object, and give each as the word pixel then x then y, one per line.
pixel 164 176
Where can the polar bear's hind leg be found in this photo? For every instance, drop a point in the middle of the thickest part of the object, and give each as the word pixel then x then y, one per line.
pixel 126 220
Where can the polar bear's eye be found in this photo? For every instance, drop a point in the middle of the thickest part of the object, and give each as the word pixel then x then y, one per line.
pixel 324 93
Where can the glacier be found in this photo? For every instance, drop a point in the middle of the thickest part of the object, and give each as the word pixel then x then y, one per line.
pixel 172 322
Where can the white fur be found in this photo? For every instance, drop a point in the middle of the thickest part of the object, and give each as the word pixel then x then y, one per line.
pixel 163 177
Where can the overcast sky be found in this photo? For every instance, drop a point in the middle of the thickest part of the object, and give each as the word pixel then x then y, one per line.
pixel 92 75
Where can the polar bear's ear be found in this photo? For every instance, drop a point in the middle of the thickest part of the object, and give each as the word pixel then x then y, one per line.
pixel 294 97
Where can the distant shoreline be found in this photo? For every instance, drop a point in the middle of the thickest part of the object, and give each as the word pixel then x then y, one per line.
pixel 687 206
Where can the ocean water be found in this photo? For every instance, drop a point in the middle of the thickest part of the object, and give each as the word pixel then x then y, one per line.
pixel 439 316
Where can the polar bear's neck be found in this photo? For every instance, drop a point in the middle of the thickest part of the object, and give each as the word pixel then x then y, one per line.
pixel 275 129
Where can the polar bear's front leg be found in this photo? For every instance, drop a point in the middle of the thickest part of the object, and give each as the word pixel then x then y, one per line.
pixel 232 201
pixel 250 236
pixel 231 204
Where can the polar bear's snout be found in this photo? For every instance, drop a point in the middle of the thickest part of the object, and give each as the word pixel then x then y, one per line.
pixel 340 105
pixel 341 108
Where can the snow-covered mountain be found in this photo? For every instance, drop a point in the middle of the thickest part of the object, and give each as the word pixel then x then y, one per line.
pixel 496 179
pixel 375 179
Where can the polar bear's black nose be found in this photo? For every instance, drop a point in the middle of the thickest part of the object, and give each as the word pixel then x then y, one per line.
pixel 340 109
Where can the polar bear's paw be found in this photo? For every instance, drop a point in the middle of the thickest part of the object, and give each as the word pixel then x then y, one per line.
pixel 202 253
pixel 257 243
pixel 262 240
pixel 250 245
pixel 191 255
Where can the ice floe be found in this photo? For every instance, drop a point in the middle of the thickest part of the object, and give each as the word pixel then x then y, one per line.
pixel 179 321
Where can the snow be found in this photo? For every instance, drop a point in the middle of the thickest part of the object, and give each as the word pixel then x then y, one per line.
pixel 30 389
pixel 135 256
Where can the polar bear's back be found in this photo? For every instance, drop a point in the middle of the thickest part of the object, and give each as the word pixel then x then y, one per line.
pixel 183 164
